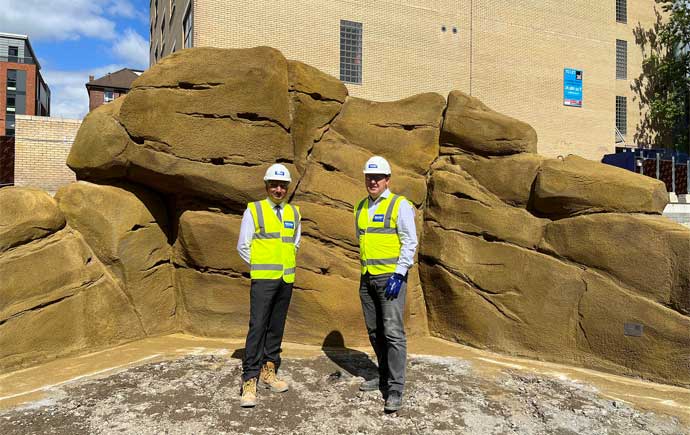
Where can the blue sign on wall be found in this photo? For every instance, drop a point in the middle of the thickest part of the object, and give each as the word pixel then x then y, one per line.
pixel 572 87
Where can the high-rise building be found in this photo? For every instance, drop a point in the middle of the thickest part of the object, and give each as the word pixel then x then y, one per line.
pixel 571 69
pixel 22 88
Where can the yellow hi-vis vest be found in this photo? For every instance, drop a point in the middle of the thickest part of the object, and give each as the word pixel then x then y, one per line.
pixel 273 241
pixel 379 244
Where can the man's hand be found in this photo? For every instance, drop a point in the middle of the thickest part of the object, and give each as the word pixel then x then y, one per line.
pixel 393 286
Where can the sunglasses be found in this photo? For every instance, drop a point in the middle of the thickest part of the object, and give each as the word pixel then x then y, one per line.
pixel 375 177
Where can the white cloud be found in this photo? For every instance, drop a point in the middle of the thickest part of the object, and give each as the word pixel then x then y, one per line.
pixel 124 8
pixel 69 98
pixel 132 49
pixel 58 19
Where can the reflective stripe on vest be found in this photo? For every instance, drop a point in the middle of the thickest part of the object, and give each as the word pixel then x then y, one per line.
pixel 379 244
pixel 273 242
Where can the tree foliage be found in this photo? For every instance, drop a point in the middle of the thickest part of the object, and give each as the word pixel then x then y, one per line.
pixel 664 86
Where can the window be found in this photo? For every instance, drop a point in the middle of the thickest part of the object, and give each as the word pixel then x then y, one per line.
pixel 174 47
pixel 187 28
pixel 11 101
pixel 9 125
pixel 621 11
pixel 622 115
pixel 350 52
pixel 621 59
pixel 12 79
pixel 172 9
pixel 155 55
pixel 163 27
pixel 12 54
pixel 108 95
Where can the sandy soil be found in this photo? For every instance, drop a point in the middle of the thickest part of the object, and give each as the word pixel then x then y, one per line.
pixel 199 394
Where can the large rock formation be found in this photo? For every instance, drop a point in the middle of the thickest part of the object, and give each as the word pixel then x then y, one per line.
pixel 565 260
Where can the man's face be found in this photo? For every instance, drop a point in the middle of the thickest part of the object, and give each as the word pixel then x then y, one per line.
pixel 376 184
pixel 277 190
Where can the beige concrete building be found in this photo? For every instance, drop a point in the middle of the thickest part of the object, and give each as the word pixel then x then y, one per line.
pixel 42 145
pixel 510 54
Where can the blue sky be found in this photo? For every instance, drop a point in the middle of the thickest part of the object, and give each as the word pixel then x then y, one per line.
pixel 77 38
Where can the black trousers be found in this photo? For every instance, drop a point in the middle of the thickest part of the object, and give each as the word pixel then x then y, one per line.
pixel 269 300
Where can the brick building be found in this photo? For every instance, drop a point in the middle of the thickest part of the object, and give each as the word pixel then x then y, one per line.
pixel 22 88
pixel 22 92
pixel 105 89
pixel 513 55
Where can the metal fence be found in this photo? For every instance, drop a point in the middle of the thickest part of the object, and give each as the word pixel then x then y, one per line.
pixel 6 161
pixel 675 175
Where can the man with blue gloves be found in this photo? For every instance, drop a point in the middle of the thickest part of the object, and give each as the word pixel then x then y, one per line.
pixel 387 242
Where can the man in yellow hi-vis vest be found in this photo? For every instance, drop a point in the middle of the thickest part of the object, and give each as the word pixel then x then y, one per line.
pixel 387 242
pixel 268 241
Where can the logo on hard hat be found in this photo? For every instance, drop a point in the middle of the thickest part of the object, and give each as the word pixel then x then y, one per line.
pixel 280 173
pixel 373 165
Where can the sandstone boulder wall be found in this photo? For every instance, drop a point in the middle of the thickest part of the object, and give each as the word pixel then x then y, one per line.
pixel 547 258
pixel 472 126
pixel 575 186
pixel 25 215
pixel 57 298
pixel 126 228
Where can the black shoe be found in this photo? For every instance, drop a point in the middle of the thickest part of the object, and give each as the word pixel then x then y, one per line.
pixel 393 401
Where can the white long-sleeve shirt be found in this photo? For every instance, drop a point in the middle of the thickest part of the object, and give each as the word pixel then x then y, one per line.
pixel 407 231
pixel 244 241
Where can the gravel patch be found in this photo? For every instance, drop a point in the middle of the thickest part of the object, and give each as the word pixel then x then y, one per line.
pixel 199 394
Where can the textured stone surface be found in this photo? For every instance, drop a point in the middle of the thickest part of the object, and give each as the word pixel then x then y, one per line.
pixel 100 147
pixel 206 130
pixel 508 177
pixel 662 351
pixel 27 214
pixel 406 131
pixel 213 305
pixel 471 126
pixel 654 248
pixel 126 228
pixel 458 202
pixel 498 296
pixel 575 186
pixel 57 298
pixel 207 240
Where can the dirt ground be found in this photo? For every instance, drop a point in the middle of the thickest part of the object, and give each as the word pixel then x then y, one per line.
pixel 199 394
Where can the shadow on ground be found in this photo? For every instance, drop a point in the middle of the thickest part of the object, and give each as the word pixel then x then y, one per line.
pixel 352 361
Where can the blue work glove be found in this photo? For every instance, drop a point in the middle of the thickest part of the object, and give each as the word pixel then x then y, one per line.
pixel 393 286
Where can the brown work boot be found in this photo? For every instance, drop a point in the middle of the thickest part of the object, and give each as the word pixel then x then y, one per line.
pixel 248 399
pixel 269 379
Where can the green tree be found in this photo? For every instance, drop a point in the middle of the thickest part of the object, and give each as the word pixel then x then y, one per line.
pixel 664 86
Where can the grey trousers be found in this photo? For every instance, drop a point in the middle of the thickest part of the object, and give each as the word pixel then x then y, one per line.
pixel 384 320
pixel 269 300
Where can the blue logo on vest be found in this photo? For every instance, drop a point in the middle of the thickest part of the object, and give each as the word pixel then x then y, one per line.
pixel 378 218
pixel 289 224
pixel 373 165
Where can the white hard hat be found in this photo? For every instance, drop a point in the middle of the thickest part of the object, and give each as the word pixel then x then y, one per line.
pixel 377 165
pixel 277 172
